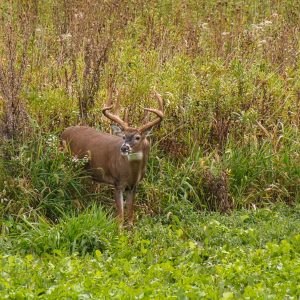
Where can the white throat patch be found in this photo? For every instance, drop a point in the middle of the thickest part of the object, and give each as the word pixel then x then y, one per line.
pixel 135 156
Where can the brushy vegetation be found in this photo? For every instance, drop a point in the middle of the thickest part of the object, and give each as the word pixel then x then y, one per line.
pixel 228 72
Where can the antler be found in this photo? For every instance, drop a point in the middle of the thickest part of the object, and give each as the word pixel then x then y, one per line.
pixel 158 112
pixel 109 106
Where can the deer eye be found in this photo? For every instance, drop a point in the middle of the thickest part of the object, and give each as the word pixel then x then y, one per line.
pixel 123 137
pixel 137 138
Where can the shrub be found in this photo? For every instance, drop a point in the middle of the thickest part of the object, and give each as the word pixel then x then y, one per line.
pixel 38 175
pixel 76 233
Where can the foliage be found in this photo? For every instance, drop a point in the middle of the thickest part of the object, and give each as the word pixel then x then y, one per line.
pixel 249 254
pixel 18 22
pixel 231 91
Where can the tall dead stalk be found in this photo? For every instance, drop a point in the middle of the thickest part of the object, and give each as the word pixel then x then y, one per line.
pixel 18 20
pixel 88 31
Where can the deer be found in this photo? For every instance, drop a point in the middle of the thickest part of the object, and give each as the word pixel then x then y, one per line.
pixel 118 159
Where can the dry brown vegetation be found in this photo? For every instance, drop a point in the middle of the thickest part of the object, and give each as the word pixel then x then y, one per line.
pixel 18 24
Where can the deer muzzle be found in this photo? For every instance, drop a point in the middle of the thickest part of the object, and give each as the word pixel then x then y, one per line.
pixel 125 149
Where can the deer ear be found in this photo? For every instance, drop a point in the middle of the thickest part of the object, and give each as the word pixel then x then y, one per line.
pixel 116 130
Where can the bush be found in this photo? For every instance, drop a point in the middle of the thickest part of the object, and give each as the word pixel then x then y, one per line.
pixel 82 233
pixel 38 175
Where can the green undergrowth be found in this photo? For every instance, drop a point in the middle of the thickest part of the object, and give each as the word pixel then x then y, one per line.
pixel 39 178
pixel 83 233
pixel 249 254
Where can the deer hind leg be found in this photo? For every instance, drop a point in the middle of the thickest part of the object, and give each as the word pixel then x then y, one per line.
pixel 129 205
pixel 119 206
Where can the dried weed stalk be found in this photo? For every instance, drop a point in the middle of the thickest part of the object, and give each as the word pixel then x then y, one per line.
pixel 216 191
pixel 88 31
pixel 18 20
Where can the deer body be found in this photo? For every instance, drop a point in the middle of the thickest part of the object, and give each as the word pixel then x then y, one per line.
pixel 106 162
pixel 119 160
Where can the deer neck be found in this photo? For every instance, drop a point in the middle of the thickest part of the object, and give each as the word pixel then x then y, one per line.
pixel 136 163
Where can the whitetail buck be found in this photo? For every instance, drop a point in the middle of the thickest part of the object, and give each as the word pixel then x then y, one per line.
pixel 120 159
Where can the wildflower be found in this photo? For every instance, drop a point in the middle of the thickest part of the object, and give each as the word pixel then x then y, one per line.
pixel 204 26
pixel 66 36
pixel 75 159
pixel 256 27
pixel 262 42
pixel 52 140
pixel 266 23
pixel 78 15
pixel 4 200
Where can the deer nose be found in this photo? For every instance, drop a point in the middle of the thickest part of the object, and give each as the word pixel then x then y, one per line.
pixel 125 148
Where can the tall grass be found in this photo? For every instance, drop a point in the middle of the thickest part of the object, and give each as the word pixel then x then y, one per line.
pixel 38 176
pixel 81 234
pixel 249 174
pixel 228 74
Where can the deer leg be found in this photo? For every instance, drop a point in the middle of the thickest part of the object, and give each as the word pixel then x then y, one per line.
pixel 129 206
pixel 119 205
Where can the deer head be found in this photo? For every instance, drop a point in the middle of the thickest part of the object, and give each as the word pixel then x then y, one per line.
pixel 133 137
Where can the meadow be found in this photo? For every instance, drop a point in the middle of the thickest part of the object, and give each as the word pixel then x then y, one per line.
pixel 218 211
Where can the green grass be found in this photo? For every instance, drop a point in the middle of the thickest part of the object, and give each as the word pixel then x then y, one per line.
pixel 248 254
pixel 84 233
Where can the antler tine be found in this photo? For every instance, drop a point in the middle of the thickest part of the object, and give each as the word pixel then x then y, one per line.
pixel 114 117
pixel 158 112
pixel 126 116
pixel 146 117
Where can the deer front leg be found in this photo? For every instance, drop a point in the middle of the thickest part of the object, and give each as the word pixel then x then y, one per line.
pixel 119 206
pixel 129 206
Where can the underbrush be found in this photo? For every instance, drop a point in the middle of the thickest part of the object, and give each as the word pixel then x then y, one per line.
pixel 254 173
pixel 78 233
pixel 37 176
pixel 229 84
